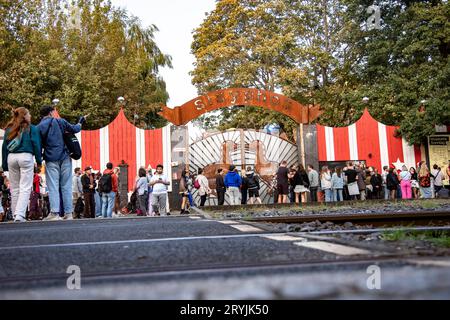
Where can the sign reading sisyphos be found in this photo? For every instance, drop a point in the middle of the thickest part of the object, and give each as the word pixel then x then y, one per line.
pixel 241 97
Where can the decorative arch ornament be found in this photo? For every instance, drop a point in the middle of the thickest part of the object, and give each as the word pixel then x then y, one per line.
pixel 214 100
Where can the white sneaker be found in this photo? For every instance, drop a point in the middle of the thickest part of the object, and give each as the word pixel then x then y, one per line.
pixel 68 216
pixel 19 219
pixel 53 217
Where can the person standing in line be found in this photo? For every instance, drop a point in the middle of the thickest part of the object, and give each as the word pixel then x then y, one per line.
pixel 392 183
pixel 325 183
pixel 117 209
pixel 97 196
pixel 414 183
pixel 352 178
pixel 204 189
pixel 425 181
pixel 313 177
pixel 337 185
pixel 88 182
pixel 361 181
pixel 58 164
pixel 438 176
pixel 22 143
pixel 282 182
pixel 291 195
pixel 244 187
pixel 184 192
pixel 233 182
pixel 150 190
pixel 405 183
pixel 77 190
pixel 108 185
pixel 294 180
pixel 303 189
pixel 377 184
pixel 253 186
pixel 142 191
pixel 383 177
pixel 220 187
pixel 159 182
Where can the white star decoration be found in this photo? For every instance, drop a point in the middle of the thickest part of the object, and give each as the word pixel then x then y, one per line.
pixel 398 165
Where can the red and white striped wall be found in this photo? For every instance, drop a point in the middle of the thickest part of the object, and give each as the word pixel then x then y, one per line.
pixel 369 140
pixel 121 140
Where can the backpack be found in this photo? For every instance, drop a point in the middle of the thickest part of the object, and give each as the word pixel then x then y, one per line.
pixel 196 184
pixel 72 144
pixel 105 184
pixel 79 206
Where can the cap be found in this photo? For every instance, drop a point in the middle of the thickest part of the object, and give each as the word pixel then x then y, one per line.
pixel 88 168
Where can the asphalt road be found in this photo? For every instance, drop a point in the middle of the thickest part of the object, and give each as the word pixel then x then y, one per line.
pixel 34 257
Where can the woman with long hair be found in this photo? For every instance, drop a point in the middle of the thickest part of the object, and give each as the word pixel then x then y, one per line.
pixel 22 142
pixel 392 183
pixel 414 183
pixel 303 189
pixel 425 181
pixel 337 184
pixel 185 184
pixel 325 182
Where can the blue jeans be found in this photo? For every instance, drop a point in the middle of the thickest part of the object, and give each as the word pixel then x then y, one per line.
pixel 98 204
pixel 328 195
pixel 338 193
pixel 426 192
pixel 108 204
pixel 58 176
pixel 191 200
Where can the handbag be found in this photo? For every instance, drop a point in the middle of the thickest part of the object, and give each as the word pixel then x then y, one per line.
pixel 14 144
pixel 72 143
pixel 353 189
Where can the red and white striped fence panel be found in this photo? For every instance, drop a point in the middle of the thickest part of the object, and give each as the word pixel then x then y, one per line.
pixel 366 139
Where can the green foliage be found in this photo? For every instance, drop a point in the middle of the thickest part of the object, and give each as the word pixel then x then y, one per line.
pixel 86 53
pixel 321 52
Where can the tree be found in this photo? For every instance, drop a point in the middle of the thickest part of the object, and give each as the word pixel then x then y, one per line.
pixel 85 53
pixel 322 52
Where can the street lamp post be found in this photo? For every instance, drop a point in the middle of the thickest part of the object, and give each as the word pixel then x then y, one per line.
pixel 422 106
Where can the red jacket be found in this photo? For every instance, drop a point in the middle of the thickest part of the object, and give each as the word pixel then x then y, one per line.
pixel 114 179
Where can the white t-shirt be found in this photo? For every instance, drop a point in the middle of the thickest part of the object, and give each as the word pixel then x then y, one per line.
pixel 438 177
pixel 159 187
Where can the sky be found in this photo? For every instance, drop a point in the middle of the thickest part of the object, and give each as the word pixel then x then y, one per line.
pixel 175 19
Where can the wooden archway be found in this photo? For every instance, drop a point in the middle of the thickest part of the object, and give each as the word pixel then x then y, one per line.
pixel 241 96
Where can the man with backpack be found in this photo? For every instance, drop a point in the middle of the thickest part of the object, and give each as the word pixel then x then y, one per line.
pixel 253 186
pixel 108 185
pixel 58 164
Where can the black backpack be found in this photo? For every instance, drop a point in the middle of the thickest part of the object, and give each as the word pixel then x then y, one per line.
pixel 105 184
pixel 72 144
pixel 252 182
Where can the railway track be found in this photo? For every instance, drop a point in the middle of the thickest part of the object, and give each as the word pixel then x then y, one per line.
pixel 375 219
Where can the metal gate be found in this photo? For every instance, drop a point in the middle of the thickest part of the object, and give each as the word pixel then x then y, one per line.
pixel 259 150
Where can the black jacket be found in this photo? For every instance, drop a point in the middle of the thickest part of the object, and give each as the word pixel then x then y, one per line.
pixel 252 181
pixel 220 185
pixel 85 181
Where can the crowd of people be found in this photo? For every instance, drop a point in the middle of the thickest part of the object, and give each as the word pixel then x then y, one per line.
pixel 299 185
pixel 55 192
